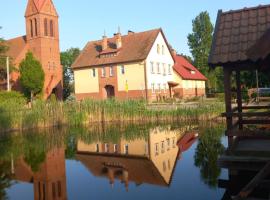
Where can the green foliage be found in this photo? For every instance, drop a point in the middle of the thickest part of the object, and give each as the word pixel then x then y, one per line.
pixel 249 79
pixel 3 50
pixel 207 153
pixel 31 75
pixel 67 59
pixel 200 41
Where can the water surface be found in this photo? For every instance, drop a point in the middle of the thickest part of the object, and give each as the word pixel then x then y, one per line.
pixel 112 162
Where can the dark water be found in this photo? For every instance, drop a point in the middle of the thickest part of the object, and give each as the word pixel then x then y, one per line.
pixel 113 162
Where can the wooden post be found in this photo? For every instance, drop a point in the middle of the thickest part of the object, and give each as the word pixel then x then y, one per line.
pixel 228 100
pixel 239 98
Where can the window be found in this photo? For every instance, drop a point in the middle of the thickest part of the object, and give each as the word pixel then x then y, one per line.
pixel 103 74
pixel 97 148
pixel 156 149
pixel 94 72
pixel 36 27
pixel 53 191
pixel 111 71
pixel 123 69
pixel 51 28
pixel 173 142
pixel 163 50
pixel 31 27
pixel 158 48
pixel 169 69
pixel 126 149
pixel 162 147
pixel 158 68
pixel 45 27
pixel 107 148
pixel 164 69
pixel 192 72
pixel 115 148
pixel 152 68
pixel 59 189
pixel 168 144
pixel 164 166
pixel 153 87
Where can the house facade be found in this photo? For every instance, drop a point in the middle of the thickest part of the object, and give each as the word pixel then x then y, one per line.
pixel 190 81
pixel 42 39
pixel 136 65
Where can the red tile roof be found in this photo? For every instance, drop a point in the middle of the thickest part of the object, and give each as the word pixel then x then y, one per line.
pixel 236 32
pixel 16 46
pixel 135 47
pixel 185 68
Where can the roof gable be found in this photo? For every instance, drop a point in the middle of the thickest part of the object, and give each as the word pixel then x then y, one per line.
pixel 135 47
pixel 236 32
pixel 31 8
pixel 16 46
pixel 40 6
pixel 186 70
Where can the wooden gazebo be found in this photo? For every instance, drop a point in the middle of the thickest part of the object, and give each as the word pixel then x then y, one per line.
pixel 242 43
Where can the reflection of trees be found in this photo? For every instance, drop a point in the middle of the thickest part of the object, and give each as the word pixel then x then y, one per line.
pixel 5 179
pixel 207 152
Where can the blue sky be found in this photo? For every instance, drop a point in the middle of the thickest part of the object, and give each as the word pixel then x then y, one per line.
pixel 84 20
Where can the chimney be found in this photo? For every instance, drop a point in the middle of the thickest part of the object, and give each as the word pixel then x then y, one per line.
pixel 104 42
pixel 174 53
pixel 118 39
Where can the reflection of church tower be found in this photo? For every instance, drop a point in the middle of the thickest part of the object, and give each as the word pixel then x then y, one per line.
pixel 42 37
pixel 50 181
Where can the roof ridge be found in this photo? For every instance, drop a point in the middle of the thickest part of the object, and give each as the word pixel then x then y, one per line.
pixel 247 8
pixel 22 36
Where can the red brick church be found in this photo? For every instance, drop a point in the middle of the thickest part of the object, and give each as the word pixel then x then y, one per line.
pixel 42 39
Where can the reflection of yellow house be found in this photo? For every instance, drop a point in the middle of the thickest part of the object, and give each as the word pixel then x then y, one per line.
pixel 150 160
pixel 49 181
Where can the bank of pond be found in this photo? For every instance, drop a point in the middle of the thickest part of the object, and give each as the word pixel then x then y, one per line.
pixel 16 116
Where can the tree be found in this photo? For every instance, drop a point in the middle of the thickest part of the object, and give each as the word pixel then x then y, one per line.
pixel 200 41
pixel 67 59
pixel 31 76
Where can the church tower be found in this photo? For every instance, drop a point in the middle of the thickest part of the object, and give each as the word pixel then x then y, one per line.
pixel 42 36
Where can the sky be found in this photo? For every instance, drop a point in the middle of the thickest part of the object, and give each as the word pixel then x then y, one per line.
pixel 85 20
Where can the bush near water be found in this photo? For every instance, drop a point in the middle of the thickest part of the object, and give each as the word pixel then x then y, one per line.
pixel 14 115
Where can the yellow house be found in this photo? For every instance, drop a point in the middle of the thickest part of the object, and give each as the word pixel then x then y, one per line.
pixel 151 160
pixel 136 65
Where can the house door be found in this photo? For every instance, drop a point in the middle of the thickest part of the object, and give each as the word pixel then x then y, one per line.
pixel 109 91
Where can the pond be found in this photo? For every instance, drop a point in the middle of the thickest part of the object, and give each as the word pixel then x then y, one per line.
pixel 113 162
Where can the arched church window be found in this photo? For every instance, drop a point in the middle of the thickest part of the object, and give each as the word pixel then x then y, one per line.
pixel 36 27
pixel 31 27
pixel 45 27
pixel 51 28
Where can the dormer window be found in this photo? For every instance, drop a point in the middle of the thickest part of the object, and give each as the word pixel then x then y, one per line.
pixel 192 72
pixel 158 49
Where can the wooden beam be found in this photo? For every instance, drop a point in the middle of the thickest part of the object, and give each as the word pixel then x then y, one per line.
pixel 248 114
pixel 249 133
pixel 239 98
pixel 255 107
pixel 249 188
pixel 228 95
pixel 256 121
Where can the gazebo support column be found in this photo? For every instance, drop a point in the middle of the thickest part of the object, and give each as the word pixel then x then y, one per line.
pixel 228 100
pixel 239 99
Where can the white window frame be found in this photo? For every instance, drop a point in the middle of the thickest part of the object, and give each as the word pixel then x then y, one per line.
pixel 111 71
pixel 107 148
pixel 164 69
pixel 152 67
pixel 126 149
pixel 158 68
pixel 103 72
pixel 93 72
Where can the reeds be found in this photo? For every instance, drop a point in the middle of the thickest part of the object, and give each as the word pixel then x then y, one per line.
pixel 53 113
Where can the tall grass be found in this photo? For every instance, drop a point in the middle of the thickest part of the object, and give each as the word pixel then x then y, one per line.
pixel 53 113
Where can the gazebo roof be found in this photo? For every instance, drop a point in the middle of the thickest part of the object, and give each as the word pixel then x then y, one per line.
pixel 236 33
